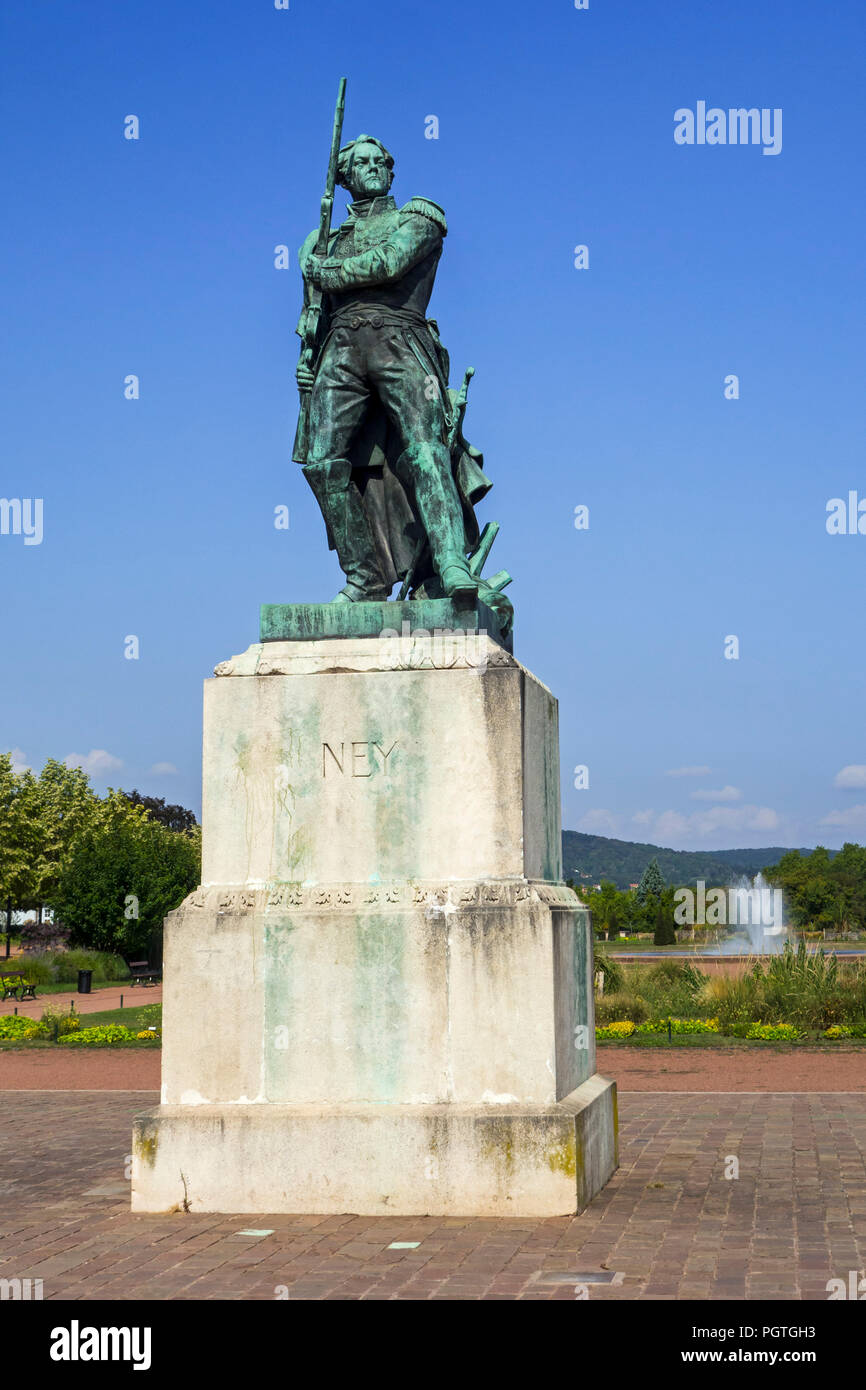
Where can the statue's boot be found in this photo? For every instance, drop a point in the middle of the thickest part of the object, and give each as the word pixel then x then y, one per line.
pixel 425 471
pixel 347 523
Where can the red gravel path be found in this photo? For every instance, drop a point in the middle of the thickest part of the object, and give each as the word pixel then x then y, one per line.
pixel 55 1069
pixel 656 1069
pixel 100 1001
pixel 731 1069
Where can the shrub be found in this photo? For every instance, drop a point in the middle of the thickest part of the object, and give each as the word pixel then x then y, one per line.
pixel 738 1029
pixel 665 933
pixel 38 970
pixel 58 1023
pixel 624 1005
pixel 150 1016
pixel 105 965
pixel 669 987
pixel 675 987
pixel 773 1032
pixel 43 936
pixel 808 989
pixel 611 972
pixel 62 967
pixel 846 1030
pixel 106 1035
pixel 13 1026
pixel 735 1000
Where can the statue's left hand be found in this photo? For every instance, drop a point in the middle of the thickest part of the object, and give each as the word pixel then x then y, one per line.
pixel 304 376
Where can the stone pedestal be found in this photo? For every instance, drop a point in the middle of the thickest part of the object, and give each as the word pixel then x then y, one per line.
pixel 380 998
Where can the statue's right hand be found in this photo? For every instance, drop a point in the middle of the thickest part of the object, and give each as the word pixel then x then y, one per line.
pixel 304 376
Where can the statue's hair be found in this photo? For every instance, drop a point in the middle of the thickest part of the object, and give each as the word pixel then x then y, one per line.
pixel 344 162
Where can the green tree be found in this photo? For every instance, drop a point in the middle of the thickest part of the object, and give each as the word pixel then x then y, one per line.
pixel 125 871
pixel 665 932
pixel 823 892
pixel 603 904
pixel 172 817
pixel 847 873
pixel 60 804
pixel 16 875
pixel 652 884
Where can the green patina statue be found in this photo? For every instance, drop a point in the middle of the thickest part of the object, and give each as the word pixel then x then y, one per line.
pixel 380 432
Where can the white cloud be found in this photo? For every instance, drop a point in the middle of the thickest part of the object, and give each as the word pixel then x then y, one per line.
pixel 682 830
pixel 19 761
pixel 95 762
pixel 599 822
pixel 670 826
pixel 854 775
pixel 854 815
pixel 736 818
pixel 687 771
pixel 164 770
pixel 723 794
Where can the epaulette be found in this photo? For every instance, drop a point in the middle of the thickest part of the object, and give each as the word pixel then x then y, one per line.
pixel 427 208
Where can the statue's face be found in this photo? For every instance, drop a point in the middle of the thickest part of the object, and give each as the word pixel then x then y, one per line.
pixel 369 176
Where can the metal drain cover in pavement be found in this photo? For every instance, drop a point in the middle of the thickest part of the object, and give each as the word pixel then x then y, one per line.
pixel 596 1276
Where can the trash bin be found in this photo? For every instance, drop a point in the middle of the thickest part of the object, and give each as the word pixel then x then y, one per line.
pixel 84 978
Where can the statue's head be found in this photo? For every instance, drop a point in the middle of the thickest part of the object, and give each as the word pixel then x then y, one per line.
pixel 365 168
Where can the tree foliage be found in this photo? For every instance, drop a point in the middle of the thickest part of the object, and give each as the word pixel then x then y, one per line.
pixel 652 883
pixel 172 817
pixel 111 867
pixel 124 873
pixel 664 932
pixel 16 878
pixel 822 892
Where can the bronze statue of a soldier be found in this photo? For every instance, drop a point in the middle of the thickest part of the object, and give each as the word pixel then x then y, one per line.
pixel 380 432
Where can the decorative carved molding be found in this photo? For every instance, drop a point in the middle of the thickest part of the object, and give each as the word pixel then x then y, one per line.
pixel 360 655
pixel 408 894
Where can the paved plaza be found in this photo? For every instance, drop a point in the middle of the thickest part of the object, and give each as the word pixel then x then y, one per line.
pixel 670 1223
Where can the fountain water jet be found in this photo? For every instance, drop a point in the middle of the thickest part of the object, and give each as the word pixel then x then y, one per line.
pixel 756 911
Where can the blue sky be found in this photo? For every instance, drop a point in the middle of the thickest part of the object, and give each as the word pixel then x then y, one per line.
pixel 602 387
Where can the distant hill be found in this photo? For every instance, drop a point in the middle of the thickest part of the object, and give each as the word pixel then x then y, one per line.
pixel 591 858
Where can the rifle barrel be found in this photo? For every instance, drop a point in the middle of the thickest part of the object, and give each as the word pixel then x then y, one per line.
pixel 331 181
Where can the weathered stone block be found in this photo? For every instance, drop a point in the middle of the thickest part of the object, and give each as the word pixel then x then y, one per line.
pixel 437 1160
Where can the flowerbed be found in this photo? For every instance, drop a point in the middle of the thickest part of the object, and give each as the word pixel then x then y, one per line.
pixel 751 1031
pixel 773 1032
pixel 679 1025
pixel 626 1029
pixel 13 1026
pixel 623 1029
pixel 104 1036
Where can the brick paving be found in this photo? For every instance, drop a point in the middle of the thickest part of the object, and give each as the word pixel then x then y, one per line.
pixel 669 1221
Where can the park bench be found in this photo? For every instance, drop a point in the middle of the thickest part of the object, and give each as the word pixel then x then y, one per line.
pixel 143 973
pixel 16 985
